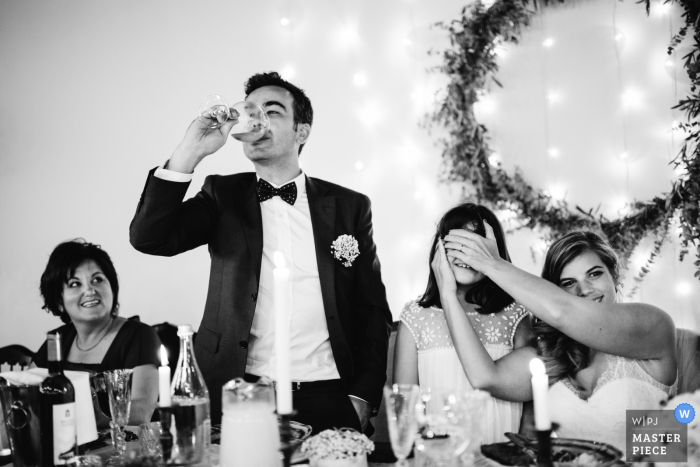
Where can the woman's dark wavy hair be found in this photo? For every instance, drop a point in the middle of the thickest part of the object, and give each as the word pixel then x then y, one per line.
pixel 488 297
pixel 563 356
pixel 63 262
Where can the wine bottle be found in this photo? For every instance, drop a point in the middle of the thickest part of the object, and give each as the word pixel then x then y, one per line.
pixel 58 421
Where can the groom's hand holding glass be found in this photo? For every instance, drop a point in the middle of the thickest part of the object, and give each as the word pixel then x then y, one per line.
pixel 200 141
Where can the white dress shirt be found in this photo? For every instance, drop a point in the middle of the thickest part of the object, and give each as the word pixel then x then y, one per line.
pixel 287 229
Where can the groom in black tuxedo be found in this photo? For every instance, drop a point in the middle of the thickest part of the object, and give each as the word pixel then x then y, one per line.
pixel 340 320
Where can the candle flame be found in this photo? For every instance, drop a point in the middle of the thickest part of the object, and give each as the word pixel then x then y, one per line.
pixel 163 356
pixel 278 258
pixel 537 367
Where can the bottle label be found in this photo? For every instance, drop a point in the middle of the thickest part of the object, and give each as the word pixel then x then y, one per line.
pixel 64 433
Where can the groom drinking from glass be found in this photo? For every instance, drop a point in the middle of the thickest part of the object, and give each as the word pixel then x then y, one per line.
pixel 340 320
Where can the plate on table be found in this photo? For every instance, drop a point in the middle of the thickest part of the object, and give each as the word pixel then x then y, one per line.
pixel 565 452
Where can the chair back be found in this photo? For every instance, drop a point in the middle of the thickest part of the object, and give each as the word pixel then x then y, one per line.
pixel 381 428
pixel 16 355
pixel 168 337
pixel 688 359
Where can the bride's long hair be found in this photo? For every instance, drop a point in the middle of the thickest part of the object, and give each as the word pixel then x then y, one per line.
pixel 562 355
pixel 488 296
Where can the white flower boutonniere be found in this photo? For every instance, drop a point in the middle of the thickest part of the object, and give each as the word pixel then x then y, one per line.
pixel 345 248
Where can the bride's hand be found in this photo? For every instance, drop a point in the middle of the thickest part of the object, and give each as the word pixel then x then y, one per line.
pixel 476 251
pixel 443 272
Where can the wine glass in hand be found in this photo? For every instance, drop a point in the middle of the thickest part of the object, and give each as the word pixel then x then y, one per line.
pixel 251 121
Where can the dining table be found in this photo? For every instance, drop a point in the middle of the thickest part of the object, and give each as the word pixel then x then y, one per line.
pixel 106 451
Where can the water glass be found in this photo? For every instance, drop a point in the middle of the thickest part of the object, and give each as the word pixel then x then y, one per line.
pixel 119 391
pixel 400 401
pixel 149 438
pixel 450 426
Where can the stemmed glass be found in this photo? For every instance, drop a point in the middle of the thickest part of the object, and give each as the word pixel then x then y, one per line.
pixel 251 124
pixel 400 401
pixel 119 391
pixel 448 425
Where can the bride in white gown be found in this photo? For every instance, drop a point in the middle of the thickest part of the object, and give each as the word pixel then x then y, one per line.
pixel 425 353
pixel 602 357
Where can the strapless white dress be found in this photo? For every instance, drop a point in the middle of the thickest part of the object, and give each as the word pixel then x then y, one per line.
pixel 624 385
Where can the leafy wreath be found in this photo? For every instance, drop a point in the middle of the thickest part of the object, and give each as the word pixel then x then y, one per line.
pixel 471 60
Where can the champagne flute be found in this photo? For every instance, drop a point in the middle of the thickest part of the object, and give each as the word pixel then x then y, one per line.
pixel 400 401
pixel 252 122
pixel 119 391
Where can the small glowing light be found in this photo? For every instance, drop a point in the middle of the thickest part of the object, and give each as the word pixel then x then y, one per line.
pixel 407 42
pixel 494 159
pixel 370 114
pixel 631 97
pixel 163 356
pixel 348 35
pixel 288 72
pixel 284 21
pixel 553 152
pixel 674 124
pixel 684 288
pixel 548 42
pixel 553 97
pixel 278 259
pixel 418 195
pixel 359 165
pixel 624 155
pixel 414 244
pixel 669 63
pixel 620 204
pixel 619 36
pixel 359 79
pixel 664 7
pixel 485 105
pixel 537 367
pixel 557 192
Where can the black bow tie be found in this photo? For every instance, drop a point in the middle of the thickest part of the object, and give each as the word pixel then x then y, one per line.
pixel 287 192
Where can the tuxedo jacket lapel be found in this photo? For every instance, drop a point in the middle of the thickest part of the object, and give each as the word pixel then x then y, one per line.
pixel 322 209
pixel 251 218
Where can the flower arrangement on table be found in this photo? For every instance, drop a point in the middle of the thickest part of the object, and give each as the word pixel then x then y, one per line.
pixel 338 448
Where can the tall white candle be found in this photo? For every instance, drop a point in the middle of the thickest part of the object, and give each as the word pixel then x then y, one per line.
pixel 164 379
pixel 282 315
pixel 540 391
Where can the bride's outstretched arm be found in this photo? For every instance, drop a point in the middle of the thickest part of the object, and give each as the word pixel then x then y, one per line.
pixel 632 330
pixel 507 378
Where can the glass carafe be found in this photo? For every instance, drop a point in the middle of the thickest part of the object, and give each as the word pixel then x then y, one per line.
pixel 249 430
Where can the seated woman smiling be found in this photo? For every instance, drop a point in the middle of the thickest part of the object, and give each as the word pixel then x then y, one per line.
pixel 80 286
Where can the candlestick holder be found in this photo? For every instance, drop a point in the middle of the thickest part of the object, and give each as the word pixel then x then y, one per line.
pixel 544 448
pixel 166 437
pixel 286 437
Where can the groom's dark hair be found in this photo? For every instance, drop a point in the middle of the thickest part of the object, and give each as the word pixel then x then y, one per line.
pixel 486 294
pixel 301 109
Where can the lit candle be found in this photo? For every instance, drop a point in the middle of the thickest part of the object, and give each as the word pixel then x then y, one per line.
pixel 540 390
pixel 282 315
pixel 164 379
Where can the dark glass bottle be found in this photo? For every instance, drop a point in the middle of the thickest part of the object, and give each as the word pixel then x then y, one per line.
pixel 58 420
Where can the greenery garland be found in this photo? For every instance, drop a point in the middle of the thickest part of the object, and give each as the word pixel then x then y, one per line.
pixel 471 60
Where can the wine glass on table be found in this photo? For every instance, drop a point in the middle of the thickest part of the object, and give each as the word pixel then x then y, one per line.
pixel 400 401
pixel 446 427
pixel 251 121
pixel 119 391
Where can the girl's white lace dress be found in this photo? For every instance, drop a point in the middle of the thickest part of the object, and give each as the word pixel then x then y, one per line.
pixel 440 368
pixel 624 385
